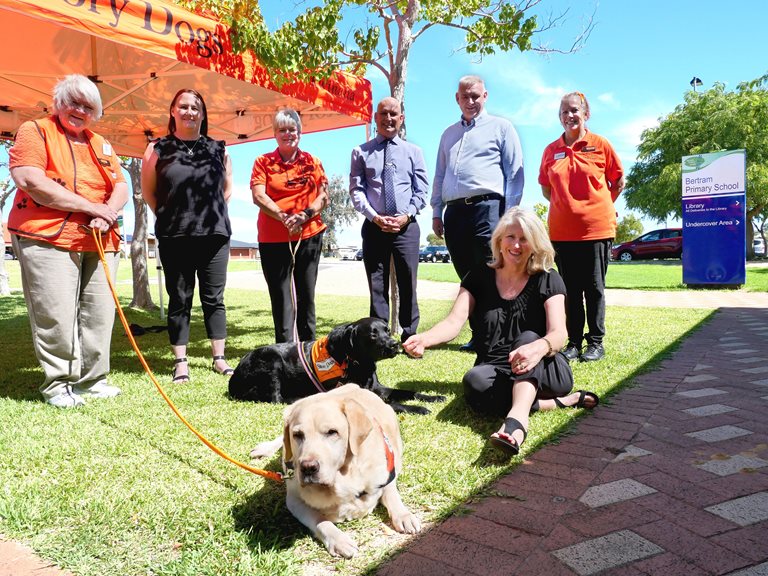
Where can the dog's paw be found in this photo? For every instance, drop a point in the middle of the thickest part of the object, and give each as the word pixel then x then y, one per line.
pixel 341 545
pixel 265 449
pixel 406 523
pixel 416 410
pixel 430 397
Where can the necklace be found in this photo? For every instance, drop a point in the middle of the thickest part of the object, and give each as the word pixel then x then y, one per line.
pixel 190 151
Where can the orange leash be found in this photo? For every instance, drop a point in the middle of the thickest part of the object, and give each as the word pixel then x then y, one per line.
pixel 276 476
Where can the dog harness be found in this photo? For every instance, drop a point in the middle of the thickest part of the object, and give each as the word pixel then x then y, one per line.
pixel 319 365
pixel 390 456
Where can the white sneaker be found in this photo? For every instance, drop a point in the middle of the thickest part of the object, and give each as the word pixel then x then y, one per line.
pixel 66 400
pixel 99 390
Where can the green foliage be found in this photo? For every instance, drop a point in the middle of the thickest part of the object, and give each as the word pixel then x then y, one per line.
pixel 706 122
pixel 339 213
pixel 629 228
pixel 315 42
pixel 434 240
pixel 541 210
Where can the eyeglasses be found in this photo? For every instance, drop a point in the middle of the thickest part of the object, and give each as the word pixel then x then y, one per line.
pixel 79 105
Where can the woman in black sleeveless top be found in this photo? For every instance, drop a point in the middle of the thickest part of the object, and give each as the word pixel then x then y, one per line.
pixel 186 180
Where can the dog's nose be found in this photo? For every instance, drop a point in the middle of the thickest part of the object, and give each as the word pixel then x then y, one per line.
pixel 310 467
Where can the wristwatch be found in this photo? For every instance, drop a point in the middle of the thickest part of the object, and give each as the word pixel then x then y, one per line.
pixel 308 212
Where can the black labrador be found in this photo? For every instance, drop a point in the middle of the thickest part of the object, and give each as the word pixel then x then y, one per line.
pixel 288 371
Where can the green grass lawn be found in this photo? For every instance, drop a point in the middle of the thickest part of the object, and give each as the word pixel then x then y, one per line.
pixel 120 487
pixel 654 275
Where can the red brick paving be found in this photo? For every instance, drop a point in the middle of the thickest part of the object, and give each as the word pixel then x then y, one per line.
pixel 542 512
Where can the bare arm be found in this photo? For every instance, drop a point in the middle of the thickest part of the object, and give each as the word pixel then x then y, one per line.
pixel 45 191
pixel 546 191
pixel 228 182
pixel 294 222
pixel 266 204
pixel 527 356
pixel 616 186
pixel 149 177
pixel 445 330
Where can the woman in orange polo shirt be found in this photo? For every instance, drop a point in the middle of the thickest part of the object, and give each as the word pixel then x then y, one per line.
pixel 290 188
pixel 581 176
pixel 69 181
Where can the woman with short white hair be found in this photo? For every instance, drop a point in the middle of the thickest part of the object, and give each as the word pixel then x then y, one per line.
pixel 290 188
pixel 69 181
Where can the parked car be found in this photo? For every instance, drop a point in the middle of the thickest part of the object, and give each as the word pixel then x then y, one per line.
pixel 9 255
pixel 347 253
pixel 359 254
pixel 664 243
pixel 758 247
pixel 434 253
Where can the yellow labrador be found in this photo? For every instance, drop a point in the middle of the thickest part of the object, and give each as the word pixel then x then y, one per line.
pixel 341 452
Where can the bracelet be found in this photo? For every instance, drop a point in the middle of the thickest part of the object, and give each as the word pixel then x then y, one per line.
pixel 551 350
pixel 308 212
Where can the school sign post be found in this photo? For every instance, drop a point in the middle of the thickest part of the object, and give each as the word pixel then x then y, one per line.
pixel 714 218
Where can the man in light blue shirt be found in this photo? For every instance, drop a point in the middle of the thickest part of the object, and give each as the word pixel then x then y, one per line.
pixel 478 175
pixel 388 185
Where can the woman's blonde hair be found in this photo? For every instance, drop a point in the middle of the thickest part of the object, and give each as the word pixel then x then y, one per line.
pixel 542 252
pixel 287 117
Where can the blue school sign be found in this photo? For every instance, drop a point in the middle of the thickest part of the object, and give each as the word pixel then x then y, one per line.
pixel 714 218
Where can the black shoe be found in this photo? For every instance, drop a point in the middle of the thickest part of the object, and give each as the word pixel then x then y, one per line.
pixel 571 352
pixel 592 353
pixel 468 347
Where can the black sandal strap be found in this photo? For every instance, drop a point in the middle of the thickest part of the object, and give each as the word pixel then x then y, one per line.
pixel 512 425
pixel 219 357
pixel 180 360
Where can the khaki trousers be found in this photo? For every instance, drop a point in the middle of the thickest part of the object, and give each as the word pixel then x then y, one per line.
pixel 71 313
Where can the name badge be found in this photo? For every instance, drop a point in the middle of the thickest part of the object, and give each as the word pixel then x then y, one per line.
pixel 588 149
pixel 106 149
pixel 559 155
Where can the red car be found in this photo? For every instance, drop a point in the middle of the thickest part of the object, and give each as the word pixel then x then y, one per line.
pixel 664 243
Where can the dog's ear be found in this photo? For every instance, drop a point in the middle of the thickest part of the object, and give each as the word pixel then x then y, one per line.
pixel 360 425
pixel 287 451
pixel 340 341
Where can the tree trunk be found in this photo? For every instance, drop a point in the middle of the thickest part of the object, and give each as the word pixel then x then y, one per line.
pixel 397 79
pixel 141 295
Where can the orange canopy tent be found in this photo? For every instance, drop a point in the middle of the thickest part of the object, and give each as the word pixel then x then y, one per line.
pixel 140 52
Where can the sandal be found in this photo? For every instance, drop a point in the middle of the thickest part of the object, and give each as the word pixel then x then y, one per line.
pixel 181 378
pixel 583 395
pixel 226 371
pixel 504 440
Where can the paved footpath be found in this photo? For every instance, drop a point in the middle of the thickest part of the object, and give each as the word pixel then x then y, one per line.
pixel 669 477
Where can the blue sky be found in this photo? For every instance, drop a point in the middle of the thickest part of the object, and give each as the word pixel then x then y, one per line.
pixel 635 67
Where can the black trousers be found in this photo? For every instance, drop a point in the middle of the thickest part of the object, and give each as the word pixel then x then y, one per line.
pixel 276 265
pixel 182 259
pixel 468 231
pixel 583 266
pixel 488 387
pixel 403 249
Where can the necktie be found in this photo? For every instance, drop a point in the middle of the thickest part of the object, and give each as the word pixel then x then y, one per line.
pixel 388 182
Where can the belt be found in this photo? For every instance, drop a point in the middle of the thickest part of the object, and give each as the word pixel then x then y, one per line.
pixel 473 199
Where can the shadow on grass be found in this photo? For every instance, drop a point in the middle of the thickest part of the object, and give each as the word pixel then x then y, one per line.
pixel 263 517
